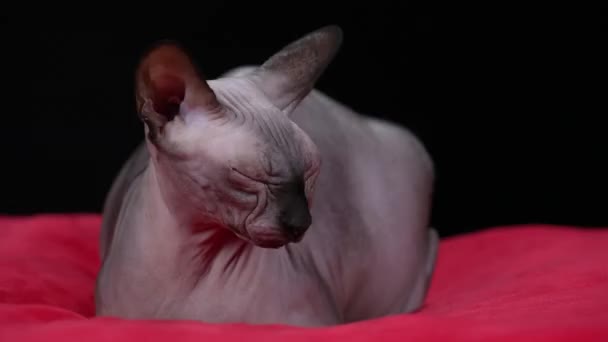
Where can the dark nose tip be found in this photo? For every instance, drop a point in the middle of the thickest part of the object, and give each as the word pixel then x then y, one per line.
pixel 296 222
pixel 294 215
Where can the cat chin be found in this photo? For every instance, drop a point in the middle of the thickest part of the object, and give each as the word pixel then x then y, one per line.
pixel 270 244
pixel 264 240
pixel 269 239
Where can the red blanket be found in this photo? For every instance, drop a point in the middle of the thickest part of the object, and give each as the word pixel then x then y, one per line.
pixel 524 283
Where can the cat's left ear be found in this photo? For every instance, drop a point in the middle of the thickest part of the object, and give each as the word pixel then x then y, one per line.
pixel 290 74
pixel 168 83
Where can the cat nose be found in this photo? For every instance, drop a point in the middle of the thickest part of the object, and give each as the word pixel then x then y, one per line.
pixel 294 215
pixel 295 221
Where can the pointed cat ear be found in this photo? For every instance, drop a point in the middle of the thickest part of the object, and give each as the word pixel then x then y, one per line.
pixel 167 82
pixel 289 75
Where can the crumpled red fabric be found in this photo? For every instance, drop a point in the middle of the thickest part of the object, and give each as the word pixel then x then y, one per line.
pixel 517 283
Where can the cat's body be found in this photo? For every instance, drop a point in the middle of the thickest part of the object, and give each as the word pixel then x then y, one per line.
pixel 368 252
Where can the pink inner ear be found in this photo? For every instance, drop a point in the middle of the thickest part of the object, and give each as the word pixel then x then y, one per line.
pixel 168 92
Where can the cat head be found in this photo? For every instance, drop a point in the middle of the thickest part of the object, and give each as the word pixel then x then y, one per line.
pixel 225 152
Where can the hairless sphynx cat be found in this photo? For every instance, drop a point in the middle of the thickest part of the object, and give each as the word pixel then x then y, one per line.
pixel 257 199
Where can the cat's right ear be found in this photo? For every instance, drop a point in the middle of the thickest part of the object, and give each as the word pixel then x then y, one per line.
pixel 291 73
pixel 167 84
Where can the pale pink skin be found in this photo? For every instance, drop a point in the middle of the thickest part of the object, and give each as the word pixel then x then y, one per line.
pixel 196 224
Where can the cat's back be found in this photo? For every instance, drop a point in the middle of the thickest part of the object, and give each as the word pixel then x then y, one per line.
pixel 129 171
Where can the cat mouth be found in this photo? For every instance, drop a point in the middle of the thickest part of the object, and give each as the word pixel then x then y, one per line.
pixel 271 244
pixel 263 238
pixel 269 240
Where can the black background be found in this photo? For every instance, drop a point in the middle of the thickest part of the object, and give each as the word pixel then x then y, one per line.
pixel 511 107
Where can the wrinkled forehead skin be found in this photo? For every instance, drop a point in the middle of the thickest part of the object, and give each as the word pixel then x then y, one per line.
pixel 281 145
